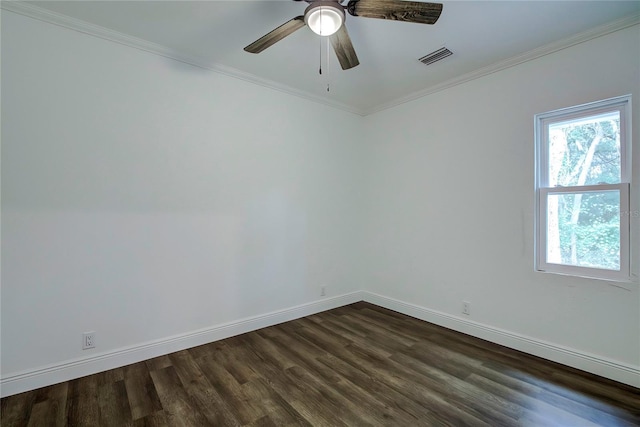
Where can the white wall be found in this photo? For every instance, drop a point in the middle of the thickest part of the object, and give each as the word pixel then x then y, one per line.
pixel 143 198
pixel 146 199
pixel 451 205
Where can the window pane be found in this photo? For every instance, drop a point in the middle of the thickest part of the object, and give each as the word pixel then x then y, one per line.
pixel 583 229
pixel 585 151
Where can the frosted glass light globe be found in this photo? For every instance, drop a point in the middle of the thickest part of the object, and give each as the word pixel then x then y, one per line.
pixel 324 20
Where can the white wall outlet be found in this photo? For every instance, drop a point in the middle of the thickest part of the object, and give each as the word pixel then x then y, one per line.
pixel 88 340
pixel 323 291
pixel 466 308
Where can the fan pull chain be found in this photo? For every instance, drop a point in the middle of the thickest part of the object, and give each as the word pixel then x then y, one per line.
pixel 327 56
pixel 320 70
pixel 328 82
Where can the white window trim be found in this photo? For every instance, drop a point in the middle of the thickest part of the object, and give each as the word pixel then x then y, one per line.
pixel 623 105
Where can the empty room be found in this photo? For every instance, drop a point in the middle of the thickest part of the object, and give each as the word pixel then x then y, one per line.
pixel 320 213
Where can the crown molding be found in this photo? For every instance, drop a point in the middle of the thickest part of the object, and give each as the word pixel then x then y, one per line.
pixel 514 60
pixel 41 14
pixel 84 27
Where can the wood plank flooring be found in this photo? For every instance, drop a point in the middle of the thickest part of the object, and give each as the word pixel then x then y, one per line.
pixel 359 365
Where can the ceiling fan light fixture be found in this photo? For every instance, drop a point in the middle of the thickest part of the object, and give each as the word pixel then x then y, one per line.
pixel 324 17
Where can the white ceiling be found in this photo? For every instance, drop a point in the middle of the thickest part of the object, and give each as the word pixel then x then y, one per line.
pixel 483 35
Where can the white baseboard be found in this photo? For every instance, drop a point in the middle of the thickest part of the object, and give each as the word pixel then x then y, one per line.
pixel 603 367
pixel 65 371
pixel 68 370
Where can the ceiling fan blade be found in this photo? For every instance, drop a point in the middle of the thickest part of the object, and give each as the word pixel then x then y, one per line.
pixel 398 10
pixel 276 35
pixel 344 48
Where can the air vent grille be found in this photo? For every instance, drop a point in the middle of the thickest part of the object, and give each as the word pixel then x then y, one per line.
pixel 435 56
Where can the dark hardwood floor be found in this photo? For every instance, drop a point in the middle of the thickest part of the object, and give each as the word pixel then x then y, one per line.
pixel 355 365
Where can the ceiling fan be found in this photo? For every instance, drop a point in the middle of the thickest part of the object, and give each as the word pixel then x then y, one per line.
pixel 326 18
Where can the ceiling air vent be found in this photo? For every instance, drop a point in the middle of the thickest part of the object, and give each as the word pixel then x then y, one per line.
pixel 435 56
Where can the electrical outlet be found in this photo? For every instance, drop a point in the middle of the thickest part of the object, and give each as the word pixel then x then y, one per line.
pixel 323 291
pixel 88 340
pixel 466 308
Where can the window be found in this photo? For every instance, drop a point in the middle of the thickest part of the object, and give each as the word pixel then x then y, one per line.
pixel 582 188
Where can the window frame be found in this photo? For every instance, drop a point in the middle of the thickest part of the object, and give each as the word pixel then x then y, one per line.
pixel 542 121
